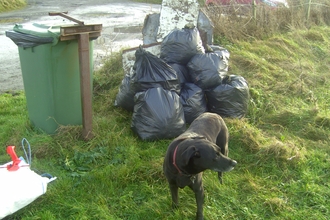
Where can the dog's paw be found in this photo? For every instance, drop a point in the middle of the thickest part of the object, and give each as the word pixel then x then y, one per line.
pixel 175 206
pixel 199 216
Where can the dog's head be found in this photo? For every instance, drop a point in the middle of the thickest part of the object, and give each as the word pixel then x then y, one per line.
pixel 201 154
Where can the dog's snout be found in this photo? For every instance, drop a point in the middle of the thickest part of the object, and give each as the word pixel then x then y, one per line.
pixel 233 163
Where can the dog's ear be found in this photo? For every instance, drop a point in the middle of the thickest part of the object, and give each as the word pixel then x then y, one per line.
pixel 190 152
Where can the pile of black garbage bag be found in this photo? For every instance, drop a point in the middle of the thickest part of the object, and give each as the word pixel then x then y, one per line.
pixel 164 93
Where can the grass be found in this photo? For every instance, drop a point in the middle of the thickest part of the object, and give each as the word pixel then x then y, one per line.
pixel 282 145
pixel 9 5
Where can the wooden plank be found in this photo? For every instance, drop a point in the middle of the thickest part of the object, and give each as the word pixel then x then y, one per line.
pixel 63 14
pixel 77 29
pixel 76 36
pixel 85 86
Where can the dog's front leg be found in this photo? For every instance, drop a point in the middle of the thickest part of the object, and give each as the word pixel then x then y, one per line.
pixel 220 177
pixel 198 189
pixel 175 194
pixel 200 202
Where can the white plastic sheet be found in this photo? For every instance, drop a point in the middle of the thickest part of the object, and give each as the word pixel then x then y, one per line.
pixel 19 188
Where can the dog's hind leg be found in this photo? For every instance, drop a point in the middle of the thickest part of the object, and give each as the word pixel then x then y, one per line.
pixel 175 194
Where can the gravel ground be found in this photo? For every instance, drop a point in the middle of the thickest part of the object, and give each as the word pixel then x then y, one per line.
pixel 122 22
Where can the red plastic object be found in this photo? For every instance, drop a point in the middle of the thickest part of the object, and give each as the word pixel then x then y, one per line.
pixel 15 165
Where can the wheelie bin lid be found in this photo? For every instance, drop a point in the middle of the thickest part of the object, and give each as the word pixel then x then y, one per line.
pixel 31 35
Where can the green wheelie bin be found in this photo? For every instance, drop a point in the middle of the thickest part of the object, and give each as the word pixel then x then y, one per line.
pixel 51 75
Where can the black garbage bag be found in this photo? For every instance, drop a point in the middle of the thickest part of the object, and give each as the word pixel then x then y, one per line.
pixel 158 114
pixel 205 27
pixel 223 54
pixel 180 45
pixel 193 101
pixel 182 72
pixel 149 71
pixel 125 96
pixel 27 40
pixel 206 70
pixel 230 99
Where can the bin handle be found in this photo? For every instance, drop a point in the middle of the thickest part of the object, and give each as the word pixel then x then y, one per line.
pixel 63 14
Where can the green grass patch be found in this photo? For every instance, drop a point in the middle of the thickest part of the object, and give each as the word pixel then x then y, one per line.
pixel 9 5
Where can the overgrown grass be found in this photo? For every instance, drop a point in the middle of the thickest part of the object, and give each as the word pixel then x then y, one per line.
pixel 235 22
pixel 201 2
pixel 149 1
pixel 9 5
pixel 282 146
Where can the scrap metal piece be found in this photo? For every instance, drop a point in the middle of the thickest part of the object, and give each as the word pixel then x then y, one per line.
pixel 150 28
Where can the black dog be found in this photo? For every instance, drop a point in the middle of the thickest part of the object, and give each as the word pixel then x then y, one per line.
pixel 204 145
